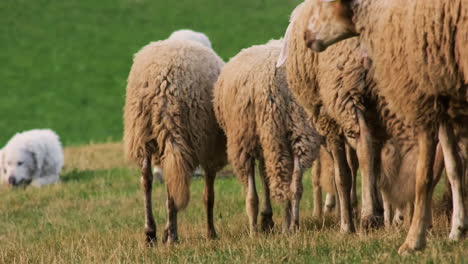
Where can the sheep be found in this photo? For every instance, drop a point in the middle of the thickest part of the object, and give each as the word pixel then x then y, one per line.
pixel 262 121
pixel 169 120
pixel 422 75
pixel 338 89
pixel 331 88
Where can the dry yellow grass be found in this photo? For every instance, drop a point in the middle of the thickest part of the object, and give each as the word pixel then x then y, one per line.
pixel 101 156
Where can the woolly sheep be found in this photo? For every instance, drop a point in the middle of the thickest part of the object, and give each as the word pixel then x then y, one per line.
pixel 339 85
pixel 32 157
pixel 169 118
pixel 331 87
pixel 262 121
pixel 423 75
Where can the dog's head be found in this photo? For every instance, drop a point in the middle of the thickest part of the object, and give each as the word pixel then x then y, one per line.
pixel 18 166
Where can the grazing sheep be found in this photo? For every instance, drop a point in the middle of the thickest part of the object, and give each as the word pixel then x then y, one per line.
pixel 169 120
pixel 333 88
pixel 422 75
pixel 262 121
pixel 32 157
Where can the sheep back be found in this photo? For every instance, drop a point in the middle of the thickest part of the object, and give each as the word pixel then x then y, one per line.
pixel 168 108
pixel 261 119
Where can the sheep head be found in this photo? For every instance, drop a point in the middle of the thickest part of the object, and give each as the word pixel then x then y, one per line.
pixel 330 23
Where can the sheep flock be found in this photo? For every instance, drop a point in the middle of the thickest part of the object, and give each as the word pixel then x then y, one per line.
pixel 334 95
pixel 367 92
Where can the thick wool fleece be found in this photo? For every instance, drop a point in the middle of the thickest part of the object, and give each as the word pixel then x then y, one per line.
pixel 261 119
pixel 169 112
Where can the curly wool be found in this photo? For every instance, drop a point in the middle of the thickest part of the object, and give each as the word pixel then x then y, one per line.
pixel 333 85
pixel 169 114
pixel 427 68
pixel 261 119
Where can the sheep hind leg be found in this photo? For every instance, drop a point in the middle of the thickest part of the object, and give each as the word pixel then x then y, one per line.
pixel 399 217
pixel 208 200
pixel 416 238
pixel 170 232
pixel 343 183
pixel 251 199
pixel 296 190
pixel 146 184
pixel 353 163
pixel 366 152
pixel 266 214
pixel 317 189
pixel 454 173
pixel 387 210
pixel 287 216
pixel 330 203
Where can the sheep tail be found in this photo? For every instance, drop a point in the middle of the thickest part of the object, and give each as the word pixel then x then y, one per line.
pixel 177 173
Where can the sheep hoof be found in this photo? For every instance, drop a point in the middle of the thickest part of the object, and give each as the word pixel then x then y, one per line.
pixel 348 229
pixel 293 228
pixel 266 220
pixel 371 221
pixel 398 221
pixel 169 236
pixel 328 209
pixel 407 249
pixel 150 238
pixel 212 234
pixel 457 233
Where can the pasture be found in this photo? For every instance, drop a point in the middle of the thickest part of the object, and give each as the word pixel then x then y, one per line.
pixel 64 66
pixel 95 215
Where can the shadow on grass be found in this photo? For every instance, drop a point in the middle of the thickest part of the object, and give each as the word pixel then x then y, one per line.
pixel 81 176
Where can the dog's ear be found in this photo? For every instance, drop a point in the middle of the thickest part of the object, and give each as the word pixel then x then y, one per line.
pixel 35 165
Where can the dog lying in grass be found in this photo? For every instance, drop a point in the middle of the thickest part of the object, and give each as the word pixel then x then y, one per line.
pixel 32 157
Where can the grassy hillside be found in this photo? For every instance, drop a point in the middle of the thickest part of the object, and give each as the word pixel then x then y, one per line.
pixel 65 63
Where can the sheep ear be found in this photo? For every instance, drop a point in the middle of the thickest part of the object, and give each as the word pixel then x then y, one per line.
pixel 284 50
pixel 283 56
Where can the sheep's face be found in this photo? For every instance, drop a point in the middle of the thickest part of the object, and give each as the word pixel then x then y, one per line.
pixel 330 23
pixel 18 167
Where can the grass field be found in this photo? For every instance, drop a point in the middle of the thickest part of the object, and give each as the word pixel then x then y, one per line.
pixel 65 63
pixel 64 66
pixel 95 215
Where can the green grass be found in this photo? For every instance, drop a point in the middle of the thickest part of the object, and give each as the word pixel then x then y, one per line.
pixel 65 63
pixel 97 216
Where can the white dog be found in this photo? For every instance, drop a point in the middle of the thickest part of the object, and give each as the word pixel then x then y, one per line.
pixel 32 157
